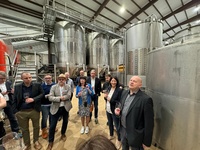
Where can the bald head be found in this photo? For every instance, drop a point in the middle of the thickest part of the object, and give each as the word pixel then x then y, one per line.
pixel 135 83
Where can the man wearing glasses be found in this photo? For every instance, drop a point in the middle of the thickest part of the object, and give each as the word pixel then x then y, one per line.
pixel 7 91
pixel 60 94
pixel 46 104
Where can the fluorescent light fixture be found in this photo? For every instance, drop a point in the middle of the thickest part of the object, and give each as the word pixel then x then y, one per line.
pixel 122 9
pixel 198 22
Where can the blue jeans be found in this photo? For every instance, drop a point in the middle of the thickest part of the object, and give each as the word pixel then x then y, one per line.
pixel 112 118
pixel 54 119
pixel 45 114
pixel 13 121
pixel 95 100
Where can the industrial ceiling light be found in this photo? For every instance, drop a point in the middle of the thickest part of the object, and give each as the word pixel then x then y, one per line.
pixel 197 8
pixel 122 9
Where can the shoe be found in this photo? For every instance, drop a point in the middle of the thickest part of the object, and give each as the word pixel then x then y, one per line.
pixel 86 130
pixel 111 137
pixel 118 144
pixel 63 137
pixel 82 130
pixel 44 133
pixel 37 145
pixel 27 147
pixel 96 121
pixel 50 145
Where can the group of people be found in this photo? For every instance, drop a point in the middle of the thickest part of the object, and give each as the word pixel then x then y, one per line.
pixel 131 111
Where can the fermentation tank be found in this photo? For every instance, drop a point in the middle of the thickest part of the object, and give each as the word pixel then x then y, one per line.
pixel 98 51
pixel 116 59
pixel 173 81
pixel 70 46
pixel 142 37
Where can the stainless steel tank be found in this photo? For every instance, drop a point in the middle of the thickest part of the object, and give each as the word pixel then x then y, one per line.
pixel 117 52
pixel 98 44
pixel 173 81
pixel 142 37
pixel 70 46
pixel 189 33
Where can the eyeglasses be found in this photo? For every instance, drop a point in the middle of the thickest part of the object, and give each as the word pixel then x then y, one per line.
pixel 61 79
pixel 47 78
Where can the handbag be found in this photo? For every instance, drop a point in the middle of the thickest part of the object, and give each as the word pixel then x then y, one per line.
pixel 91 107
pixel 2 115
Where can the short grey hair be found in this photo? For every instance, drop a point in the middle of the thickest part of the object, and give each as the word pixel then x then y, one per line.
pixel 2 73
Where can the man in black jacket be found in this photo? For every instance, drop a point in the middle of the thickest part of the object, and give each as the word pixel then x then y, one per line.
pixel 137 117
pixel 27 97
pixel 96 86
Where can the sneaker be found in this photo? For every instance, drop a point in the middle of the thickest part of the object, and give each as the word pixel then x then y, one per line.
pixel 96 121
pixel 82 130
pixel 87 130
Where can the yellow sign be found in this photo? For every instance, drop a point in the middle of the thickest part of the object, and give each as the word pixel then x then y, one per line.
pixel 121 68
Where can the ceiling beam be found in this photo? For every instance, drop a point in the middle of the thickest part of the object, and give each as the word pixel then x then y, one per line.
pixel 184 7
pixel 137 13
pixel 100 9
pixel 184 22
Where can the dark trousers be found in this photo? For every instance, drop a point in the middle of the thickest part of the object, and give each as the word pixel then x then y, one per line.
pixel 45 114
pixel 54 119
pixel 112 118
pixel 12 119
pixel 124 140
pixel 95 101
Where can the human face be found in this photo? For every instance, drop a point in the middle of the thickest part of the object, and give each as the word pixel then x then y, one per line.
pixel 48 79
pixel 61 81
pixel 67 75
pixel 107 78
pixel 135 83
pixel 27 78
pixel 2 79
pixel 82 81
pixel 81 73
pixel 113 82
pixel 93 74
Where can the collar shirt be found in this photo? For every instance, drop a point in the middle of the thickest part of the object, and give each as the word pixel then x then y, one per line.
pixel 108 108
pixel 127 103
pixel 61 94
pixel 71 84
pixel 93 84
pixel 4 89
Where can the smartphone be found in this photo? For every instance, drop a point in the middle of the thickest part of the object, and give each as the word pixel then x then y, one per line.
pixel 85 104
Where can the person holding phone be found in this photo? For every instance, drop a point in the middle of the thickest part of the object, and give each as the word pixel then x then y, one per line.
pixel 83 93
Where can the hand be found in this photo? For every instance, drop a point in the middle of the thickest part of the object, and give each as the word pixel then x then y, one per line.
pixel 4 93
pixel 117 111
pixel 79 93
pixel 29 100
pixel 62 98
pixel 106 95
pixel 46 96
pixel 145 147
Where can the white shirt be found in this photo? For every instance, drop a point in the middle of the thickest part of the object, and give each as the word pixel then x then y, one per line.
pixel 108 109
pixel 92 84
pixel 4 89
pixel 61 94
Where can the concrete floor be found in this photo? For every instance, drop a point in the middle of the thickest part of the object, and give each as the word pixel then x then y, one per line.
pixel 73 131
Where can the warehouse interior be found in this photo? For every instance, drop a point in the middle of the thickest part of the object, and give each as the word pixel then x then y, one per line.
pixel 159 40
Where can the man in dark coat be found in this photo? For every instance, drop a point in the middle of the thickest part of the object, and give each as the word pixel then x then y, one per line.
pixel 137 117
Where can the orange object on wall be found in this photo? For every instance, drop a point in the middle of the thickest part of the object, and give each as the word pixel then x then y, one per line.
pixel 2 56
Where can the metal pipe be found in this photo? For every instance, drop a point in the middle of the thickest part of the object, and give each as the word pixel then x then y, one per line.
pixel 83 23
